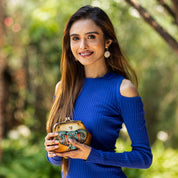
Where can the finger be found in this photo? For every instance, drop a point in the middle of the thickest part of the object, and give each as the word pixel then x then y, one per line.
pixel 75 143
pixel 64 154
pixel 51 148
pixel 51 154
pixel 51 142
pixel 48 136
pixel 52 134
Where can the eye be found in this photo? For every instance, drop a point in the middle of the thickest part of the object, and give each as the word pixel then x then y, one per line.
pixel 75 38
pixel 91 37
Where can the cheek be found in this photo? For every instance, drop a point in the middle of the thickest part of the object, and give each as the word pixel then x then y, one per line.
pixel 100 48
pixel 73 48
pixel 99 44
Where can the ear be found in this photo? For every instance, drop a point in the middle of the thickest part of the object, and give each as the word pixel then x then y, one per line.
pixel 108 43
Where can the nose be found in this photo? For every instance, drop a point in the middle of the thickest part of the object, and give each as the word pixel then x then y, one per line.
pixel 83 44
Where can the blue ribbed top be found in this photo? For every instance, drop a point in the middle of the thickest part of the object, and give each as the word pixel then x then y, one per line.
pixel 103 110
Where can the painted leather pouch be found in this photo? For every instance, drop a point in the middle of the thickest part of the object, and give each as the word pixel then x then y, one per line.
pixel 71 129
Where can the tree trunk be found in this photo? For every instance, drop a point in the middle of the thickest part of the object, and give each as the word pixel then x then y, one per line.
pixel 175 4
pixel 152 22
pixel 169 10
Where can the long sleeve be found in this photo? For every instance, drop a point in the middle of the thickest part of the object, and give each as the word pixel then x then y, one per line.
pixel 103 110
pixel 54 160
pixel 140 157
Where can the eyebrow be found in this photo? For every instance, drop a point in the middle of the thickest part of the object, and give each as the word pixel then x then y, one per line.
pixel 85 33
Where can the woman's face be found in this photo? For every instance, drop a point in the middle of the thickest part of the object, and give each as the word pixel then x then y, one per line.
pixel 87 43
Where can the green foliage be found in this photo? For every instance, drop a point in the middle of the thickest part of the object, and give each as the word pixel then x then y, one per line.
pixel 164 161
pixel 24 158
pixel 33 68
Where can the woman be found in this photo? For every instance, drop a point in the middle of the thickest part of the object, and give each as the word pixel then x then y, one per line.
pixel 96 88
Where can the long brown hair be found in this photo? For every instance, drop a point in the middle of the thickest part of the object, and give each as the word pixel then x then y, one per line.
pixel 72 72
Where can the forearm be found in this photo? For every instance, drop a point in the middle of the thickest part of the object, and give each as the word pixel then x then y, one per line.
pixel 137 158
pixel 140 157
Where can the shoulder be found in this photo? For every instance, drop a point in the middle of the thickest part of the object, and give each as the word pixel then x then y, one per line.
pixel 57 86
pixel 128 89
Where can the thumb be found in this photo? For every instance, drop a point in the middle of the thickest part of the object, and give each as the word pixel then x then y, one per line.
pixel 75 143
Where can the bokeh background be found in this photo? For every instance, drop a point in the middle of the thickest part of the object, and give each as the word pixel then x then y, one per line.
pixel 31 44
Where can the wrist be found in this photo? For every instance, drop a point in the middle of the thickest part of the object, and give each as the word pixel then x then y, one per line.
pixel 87 154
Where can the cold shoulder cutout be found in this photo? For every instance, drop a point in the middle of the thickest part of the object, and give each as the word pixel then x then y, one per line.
pixel 127 89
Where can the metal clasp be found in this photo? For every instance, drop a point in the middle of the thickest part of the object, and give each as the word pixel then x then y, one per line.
pixel 67 119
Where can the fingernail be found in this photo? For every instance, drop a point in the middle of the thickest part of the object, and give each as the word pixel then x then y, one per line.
pixel 52 154
pixel 71 140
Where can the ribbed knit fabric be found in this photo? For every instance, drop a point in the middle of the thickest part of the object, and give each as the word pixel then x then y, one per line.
pixel 103 110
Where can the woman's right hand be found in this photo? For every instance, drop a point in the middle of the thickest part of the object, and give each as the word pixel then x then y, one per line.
pixel 51 144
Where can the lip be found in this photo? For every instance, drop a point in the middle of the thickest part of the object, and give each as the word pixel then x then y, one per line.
pixel 86 53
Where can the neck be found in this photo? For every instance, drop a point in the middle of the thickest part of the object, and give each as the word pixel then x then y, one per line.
pixel 95 72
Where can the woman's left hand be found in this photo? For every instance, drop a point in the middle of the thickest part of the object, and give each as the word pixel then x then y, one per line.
pixel 82 152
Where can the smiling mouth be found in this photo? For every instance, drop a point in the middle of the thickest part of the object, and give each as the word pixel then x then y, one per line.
pixel 86 54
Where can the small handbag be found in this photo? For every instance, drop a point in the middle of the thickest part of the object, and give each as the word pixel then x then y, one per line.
pixel 71 129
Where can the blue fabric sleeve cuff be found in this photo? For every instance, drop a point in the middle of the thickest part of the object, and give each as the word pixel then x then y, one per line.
pixel 54 160
pixel 92 155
